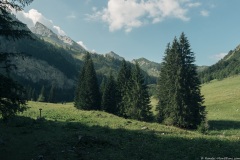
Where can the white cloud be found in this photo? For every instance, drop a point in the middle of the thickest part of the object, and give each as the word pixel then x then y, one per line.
pixel 32 16
pixel 204 13
pixel 129 14
pixel 82 44
pixel 59 30
pixel 218 56
pixel 196 4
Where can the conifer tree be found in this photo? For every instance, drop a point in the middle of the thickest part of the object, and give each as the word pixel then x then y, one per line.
pixel 180 102
pixel 51 94
pixel 109 98
pixel 123 78
pixel 195 113
pixel 136 100
pixel 87 95
pixel 12 99
pixel 102 86
pixel 33 96
pixel 41 97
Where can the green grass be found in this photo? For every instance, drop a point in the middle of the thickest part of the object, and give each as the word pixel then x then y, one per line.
pixel 222 100
pixel 105 136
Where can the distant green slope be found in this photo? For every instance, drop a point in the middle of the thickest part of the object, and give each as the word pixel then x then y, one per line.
pixel 226 67
pixel 222 99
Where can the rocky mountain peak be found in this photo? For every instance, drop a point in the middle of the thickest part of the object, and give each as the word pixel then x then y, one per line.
pixel 63 41
pixel 141 61
pixel 42 30
pixel 152 68
pixel 114 55
pixel 66 39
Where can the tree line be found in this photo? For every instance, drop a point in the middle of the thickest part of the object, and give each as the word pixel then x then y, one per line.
pixel 180 102
pixel 125 96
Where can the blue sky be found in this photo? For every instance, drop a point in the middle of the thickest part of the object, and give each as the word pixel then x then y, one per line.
pixel 142 28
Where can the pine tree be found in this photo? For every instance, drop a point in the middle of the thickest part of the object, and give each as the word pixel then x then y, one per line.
pixel 180 101
pixel 136 100
pixel 41 97
pixel 123 78
pixel 109 98
pixel 51 94
pixel 33 95
pixel 87 95
pixel 12 99
pixel 193 112
pixel 29 92
pixel 102 86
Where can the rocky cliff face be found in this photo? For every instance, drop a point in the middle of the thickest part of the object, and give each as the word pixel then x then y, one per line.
pixel 152 68
pixel 42 30
pixel 60 40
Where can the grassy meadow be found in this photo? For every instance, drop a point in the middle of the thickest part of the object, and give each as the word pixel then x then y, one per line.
pixel 222 100
pixel 66 133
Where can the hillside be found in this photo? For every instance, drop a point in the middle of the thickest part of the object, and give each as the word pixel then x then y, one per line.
pixel 68 133
pixel 55 60
pixel 222 101
pixel 226 67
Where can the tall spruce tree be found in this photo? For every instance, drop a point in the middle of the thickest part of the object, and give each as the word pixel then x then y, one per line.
pixel 12 99
pixel 136 100
pixel 87 94
pixel 109 97
pixel 102 86
pixel 180 101
pixel 123 78
pixel 41 97
pixel 51 95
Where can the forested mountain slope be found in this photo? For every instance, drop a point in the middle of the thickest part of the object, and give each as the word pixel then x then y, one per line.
pixel 55 61
pixel 226 67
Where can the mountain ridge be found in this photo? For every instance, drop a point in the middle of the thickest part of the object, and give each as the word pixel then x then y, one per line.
pixel 60 40
pixel 228 66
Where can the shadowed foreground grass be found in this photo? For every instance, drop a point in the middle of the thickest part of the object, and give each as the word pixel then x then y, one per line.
pixel 68 133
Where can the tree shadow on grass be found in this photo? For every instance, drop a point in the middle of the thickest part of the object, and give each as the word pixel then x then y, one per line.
pixel 224 125
pixel 26 138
